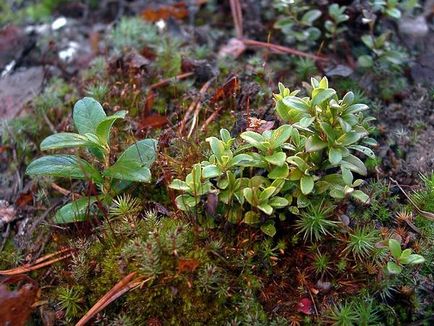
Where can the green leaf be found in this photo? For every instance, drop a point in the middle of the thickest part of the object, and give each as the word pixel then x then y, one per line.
pixel 75 211
pixel 179 185
pixel 393 268
pixel 310 16
pixel 64 140
pixel 296 103
pixel 363 149
pixel 211 171
pixel 134 162
pixel 266 208
pixel 395 248
pixel 251 217
pixel 280 135
pixel 335 155
pixel 248 194
pixel 217 147
pixel 321 95
pixel 347 176
pixel 253 138
pixel 67 166
pixel 306 184
pixel 279 172
pixel 87 115
pixel 186 202
pixel 365 61
pixel 278 158
pixel 356 108
pixel 415 259
pixel 267 193
pixel 104 127
pixel 361 196
pixel 278 202
pixel 314 143
pixel 299 162
pixel 268 228
pixel 354 164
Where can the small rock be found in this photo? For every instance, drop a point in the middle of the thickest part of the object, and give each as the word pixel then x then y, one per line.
pixel 416 27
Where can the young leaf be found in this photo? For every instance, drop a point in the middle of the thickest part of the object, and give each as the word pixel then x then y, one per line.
pixel 63 140
pixel 104 127
pixel 360 195
pixel 280 135
pixel 354 164
pixel 279 172
pixel 87 115
pixel 217 146
pixel 134 162
pixel 267 209
pixel 414 259
pixel 186 202
pixel 393 268
pixel 314 143
pixel 278 158
pixel 278 202
pixel 295 103
pixel 335 155
pixel 268 228
pixel 251 217
pixel 67 166
pixel 395 248
pixel 321 95
pixel 306 184
pixel 75 211
pixel 211 171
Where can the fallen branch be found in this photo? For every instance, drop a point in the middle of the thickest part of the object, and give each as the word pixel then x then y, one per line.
pixel 428 215
pixel 126 284
pixel 282 49
pixel 39 263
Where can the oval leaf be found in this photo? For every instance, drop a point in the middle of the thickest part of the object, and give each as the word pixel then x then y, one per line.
pixel 87 115
pixel 76 211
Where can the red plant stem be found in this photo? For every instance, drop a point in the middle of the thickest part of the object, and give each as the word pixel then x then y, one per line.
pixel 282 49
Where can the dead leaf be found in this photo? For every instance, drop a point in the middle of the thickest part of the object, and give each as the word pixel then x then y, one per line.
pixel 229 88
pixel 24 199
pixel 16 306
pixel 258 125
pixel 177 11
pixel 305 306
pixel 187 265
pixel 234 48
pixel 7 213
pixel 153 121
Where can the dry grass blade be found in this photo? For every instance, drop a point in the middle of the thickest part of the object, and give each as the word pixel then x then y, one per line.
pixel 423 213
pixel 238 17
pixel 282 49
pixel 193 105
pixel 126 284
pixel 39 263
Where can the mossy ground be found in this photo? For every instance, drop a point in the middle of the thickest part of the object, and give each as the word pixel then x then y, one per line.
pixel 197 268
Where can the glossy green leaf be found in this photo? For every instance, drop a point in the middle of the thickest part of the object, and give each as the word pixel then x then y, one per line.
pixel 217 146
pixel 251 218
pixel 268 228
pixel 281 135
pixel 278 202
pixel 295 103
pixel 415 259
pixel 393 268
pixel 395 248
pixel 354 164
pixel 314 143
pixel 361 196
pixel 186 202
pixel 310 16
pixel 64 140
pixel 321 95
pixel 179 185
pixel 87 115
pixel 266 208
pixel 306 184
pixel 66 166
pixel 134 162
pixel 211 171
pixel 76 211
pixel 278 158
pixel 279 172
pixel 104 127
pixel 335 155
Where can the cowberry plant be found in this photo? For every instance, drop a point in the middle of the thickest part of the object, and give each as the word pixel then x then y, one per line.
pixel 94 128
pixel 309 158
pixel 401 257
